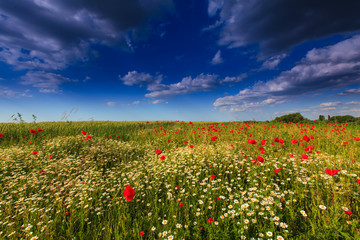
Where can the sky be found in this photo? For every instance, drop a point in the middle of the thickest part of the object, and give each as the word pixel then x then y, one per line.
pixel 198 60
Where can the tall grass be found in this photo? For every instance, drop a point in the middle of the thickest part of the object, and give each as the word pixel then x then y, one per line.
pixel 198 187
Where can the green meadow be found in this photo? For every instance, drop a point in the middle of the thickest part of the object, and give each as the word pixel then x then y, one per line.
pixel 191 180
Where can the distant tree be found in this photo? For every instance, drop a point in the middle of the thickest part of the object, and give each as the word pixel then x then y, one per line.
pixel 293 117
pixel 321 117
pixel 343 119
pixel 328 117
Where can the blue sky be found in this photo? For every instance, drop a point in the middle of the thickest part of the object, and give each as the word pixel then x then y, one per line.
pixel 211 60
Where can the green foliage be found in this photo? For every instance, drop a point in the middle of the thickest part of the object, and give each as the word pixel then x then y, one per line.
pixel 293 117
pixel 321 118
pixel 344 119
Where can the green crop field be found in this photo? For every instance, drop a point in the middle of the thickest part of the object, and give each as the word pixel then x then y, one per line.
pixel 179 180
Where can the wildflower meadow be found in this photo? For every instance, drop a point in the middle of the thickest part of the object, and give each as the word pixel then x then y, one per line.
pixel 179 180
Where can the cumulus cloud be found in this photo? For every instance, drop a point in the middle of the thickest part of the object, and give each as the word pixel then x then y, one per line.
pixel 326 68
pixel 203 82
pixel 136 78
pixel 272 62
pixel 278 25
pixel 217 59
pixel 234 79
pixel 44 81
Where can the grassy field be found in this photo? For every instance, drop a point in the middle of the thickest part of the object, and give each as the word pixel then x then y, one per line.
pixel 179 180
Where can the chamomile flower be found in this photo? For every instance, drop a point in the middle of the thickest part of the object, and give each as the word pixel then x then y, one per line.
pixel 322 207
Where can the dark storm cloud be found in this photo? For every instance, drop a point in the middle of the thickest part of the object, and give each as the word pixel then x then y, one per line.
pixel 278 25
pixel 49 35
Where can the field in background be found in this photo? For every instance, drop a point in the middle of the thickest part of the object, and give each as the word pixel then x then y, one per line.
pixel 192 180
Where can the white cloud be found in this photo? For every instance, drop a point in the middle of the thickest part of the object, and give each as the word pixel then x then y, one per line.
pixel 159 101
pixel 217 58
pixel 350 92
pixel 44 81
pixel 353 102
pixel 203 82
pixel 111 104
pixel 234 79
pixel 329 104
pixel 136 102
pixel 272 62
pixel 136 78
pixel 322 69
pixel 8 93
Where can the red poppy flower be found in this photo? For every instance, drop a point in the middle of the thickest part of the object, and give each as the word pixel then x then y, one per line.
pixel 304 156
pixel 158 151
pixel 177 187
pixel 291 155
pixel 252 141
pixel 277 170
pixel 34 152
pixel 32 131
pixel 212 176
pixel 40 130
pixel 83 132
pixel 29 143
pixel 142 233
pixel 261 149
pixel 294 141
pixel 214 138
pixel 191 146
pixel 357 138
pixel 181 204
pixel 210 220
pixel 129 193
pixel 117 136
pixel 42 171
pixel 306 138
pixel 67 213
pixel 358 181
pixel 218 198
pixel 276 139
pixel 51 157
pixel 87 137
pixel 348 213
pixel 110 137
pixel 332 172
pixel 1 135
pixel 162 158
pixel 260 159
